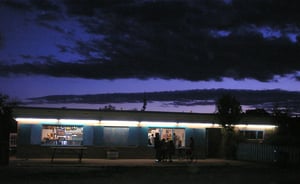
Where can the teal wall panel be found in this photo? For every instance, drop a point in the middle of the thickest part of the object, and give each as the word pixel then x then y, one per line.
pixel 98 136
pixel 116 136
pixel 133 136
pixel 88 135
pixel 36 134
pixel 24 134
pixel 143 136
pixel 197 134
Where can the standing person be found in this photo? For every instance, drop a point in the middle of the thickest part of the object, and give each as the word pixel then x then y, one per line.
pixel 157 147
pixel 175 139
pixel 164 150
pixel 152 139
pixel 171 150
pixel 192 148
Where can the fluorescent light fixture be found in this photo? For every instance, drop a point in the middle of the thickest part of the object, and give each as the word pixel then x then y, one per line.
pixel 133 123
pixel 158 124
pixel 56 121
pixel 119 123
pixel 78 122
pixel 36 120
pixel 251 126
pixel 198 125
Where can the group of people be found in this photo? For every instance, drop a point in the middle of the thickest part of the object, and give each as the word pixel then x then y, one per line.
pixel 165 149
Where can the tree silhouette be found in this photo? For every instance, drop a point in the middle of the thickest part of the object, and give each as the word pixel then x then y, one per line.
pixel 144 103
pixel 287 127
pixel 6 126
pixel 109 108
pixel 229 113
pixel 281 118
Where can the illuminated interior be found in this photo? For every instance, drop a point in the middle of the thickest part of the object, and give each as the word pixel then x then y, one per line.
pixel 64 135
pixel 177 135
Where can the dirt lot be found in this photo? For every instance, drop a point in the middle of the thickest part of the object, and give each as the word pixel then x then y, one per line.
pixel 148 174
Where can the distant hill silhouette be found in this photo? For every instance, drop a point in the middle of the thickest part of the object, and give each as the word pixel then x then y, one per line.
pixel 266 99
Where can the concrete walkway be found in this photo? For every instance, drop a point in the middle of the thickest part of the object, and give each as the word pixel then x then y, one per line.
pixel 59 162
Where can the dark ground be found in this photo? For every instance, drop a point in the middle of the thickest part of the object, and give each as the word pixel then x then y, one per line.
pixel 231 174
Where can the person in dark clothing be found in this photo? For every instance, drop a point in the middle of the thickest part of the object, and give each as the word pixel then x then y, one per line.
pixel 192 148
pixel 164 150
pixel 171 150
pixel 157 147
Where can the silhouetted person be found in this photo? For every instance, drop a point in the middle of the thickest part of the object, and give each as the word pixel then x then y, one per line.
pixel 175 139
pixel 164 150
pixel 152 139
pixel 157 147
pixel 171 150
pixel 192 148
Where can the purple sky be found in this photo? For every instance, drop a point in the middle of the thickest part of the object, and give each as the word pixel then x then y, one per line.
pixel 47 34
pixel 36 86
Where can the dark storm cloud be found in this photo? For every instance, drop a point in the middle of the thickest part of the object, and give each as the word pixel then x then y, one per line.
pixel 63 48
pixel 20 5
pixel 47 17
pixel 25 56
pixel 172 39
pixel 50 26
pixel 1 40
pixel 176 39
pixel 84 70
pixel 45 5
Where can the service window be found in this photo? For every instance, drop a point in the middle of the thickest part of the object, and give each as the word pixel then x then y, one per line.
pixel 175 134
pixel 62 135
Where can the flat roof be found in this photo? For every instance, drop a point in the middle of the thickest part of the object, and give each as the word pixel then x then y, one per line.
pixel 66 113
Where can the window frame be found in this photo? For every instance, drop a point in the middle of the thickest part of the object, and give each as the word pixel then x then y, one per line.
pixel 61 135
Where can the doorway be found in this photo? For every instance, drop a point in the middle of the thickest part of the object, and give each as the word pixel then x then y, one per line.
pixel 213 140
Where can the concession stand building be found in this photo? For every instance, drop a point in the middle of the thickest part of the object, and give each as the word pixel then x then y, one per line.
pixel 129 133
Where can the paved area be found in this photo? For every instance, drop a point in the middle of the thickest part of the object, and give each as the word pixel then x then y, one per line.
pixel 210 171
pixel 124 162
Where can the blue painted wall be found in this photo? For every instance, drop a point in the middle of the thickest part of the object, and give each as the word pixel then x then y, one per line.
pixel 197 134
pixel 24 134
pixel 116 136
pixel 133 136
pixel 143 136
pixel 98 136
pixel 88 135
pixel 36 134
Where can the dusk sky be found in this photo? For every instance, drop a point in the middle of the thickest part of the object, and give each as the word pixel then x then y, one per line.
pixel 74 47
